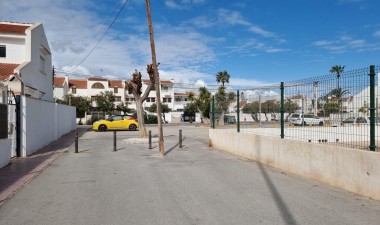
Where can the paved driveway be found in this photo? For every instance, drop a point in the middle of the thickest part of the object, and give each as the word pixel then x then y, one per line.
pixel 192 185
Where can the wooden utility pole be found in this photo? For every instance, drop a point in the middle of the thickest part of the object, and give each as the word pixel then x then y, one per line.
pixel 157 80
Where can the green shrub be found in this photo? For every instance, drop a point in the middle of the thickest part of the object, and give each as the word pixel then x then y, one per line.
pixel 150 119
pixel 92 120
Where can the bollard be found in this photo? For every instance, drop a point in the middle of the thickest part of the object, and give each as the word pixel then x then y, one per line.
pixel 114 141
pixel 76 142
pixel 180 138
pixel 150 139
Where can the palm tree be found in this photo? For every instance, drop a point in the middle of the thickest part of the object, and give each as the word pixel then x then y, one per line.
pixel 222 77
pixel 338 69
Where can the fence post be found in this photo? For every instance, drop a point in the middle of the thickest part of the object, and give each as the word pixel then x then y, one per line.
pixel 372 145
pixel 150 139
pixel 213 112
pixel 238 112
pixel 180 138
pixel 76 142
pixel 114 141
pixel 282 110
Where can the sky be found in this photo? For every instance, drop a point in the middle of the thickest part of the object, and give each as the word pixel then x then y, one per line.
pixel 257 42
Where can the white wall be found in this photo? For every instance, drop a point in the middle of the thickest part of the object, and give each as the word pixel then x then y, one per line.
pixel 5 152
pixel 43 122
pixel 66 122
pixel 15 45
pixel 30 74
pixel 357 171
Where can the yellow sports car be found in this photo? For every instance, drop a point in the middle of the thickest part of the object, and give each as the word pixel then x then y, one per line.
pixel 117 122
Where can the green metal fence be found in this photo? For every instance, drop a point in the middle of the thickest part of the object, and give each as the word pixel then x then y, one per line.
pixel 335 109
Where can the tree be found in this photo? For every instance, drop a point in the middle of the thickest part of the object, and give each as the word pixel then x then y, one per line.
pixel 269 106
pixel 123 107
pixel 252 109
pixel 364 108
pixel 189 110
pixel 338 69
pixel 222 101
pixel 202 101
pixel 331 107
pixel 222 77
pixel 105 102
pixel 164 109
pixel 290 107
pixel 81 103
pixel 134 87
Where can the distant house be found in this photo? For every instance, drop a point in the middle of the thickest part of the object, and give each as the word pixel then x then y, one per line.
pixel 25 60
pixel 93 86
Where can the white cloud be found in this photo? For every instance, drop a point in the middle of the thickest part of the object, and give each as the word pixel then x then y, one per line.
pixel 253 45
pixel 203 22
pixel 200 83
pixel 182 4
pixel 235 18
pixel 343 44
pixel 73 29
pixel 377 33
pixel 245 83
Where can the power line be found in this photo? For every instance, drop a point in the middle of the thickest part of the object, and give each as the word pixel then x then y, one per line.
pixel 89 43
pixel 109 27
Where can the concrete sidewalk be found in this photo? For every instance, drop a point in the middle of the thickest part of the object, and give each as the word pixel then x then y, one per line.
pixel 21 170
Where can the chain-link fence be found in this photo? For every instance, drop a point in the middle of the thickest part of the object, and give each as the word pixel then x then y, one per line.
pixel 340 108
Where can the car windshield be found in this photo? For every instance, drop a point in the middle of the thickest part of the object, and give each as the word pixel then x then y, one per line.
pixel 349 120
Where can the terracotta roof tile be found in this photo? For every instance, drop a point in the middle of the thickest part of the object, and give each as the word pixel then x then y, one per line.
pixel 13 28
pixel 117 83
pixel 80 84
pixel 182 94
pixel 7 69
pixel 166 81
pixel 97 79
pixel 59 81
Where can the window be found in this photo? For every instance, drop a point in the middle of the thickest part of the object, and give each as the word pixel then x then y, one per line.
pixel 115 118
pixel 3 51
pixel 167 100
pixel 152 99
pixel 93 98
pixel 117 99
pixel 42 65
pixel 74 90
pixel 164 88
pixel 97 86
pixel 115 90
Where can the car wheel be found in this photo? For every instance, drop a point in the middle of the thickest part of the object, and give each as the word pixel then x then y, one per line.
pixel 102 127
pixel 321 123
pixel 132 127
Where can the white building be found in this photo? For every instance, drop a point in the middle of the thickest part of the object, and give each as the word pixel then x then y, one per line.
pixel 25 60
pixel 93 86
pixel 26 70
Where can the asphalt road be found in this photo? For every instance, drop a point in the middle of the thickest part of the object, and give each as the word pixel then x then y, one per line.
pixel 194 184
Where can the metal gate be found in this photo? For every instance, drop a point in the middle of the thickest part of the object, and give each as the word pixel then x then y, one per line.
pixel 12 115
